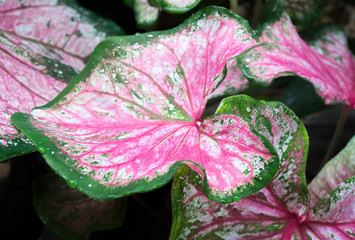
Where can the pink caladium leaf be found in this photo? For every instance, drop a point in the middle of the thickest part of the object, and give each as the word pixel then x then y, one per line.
pixel 340 168
pixel 71 214
pixel 266 214
pixel 289 137
pixel 302 11
pixel 131 117
pixel 326 62
pixel 263 215
pixel 259 216
pixel 43 45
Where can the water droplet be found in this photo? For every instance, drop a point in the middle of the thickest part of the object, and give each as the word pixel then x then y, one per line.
pixel 89 185
pixel 41 149
pixel 72 183
pixel 236 198
pixel 150 35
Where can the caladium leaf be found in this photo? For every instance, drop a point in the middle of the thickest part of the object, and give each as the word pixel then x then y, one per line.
pixel 302 11
pixel 340 168
pixel 259 216
pixel 174 6
pixel 289 137
pixel 334 215
pixel 145 15
pixel 128 120
pixel 327 62
pixel 71 214
pixel 42 46
pixel 147 11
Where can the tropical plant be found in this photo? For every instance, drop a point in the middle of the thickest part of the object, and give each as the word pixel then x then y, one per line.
pixel 115 117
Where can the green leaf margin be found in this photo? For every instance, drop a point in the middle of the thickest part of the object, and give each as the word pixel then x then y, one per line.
pixel 18 146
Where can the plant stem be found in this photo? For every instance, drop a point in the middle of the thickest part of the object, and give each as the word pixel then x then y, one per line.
pixel 233 5
pixel 336 135
pixel 256 8
pixel 161 219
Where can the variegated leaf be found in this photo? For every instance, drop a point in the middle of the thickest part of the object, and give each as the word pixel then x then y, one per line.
pixel 145 15
pixel 302 11
pixel 43 45
pixel 147 11
pixel 327 62
pixel 259 216
pixel 289 137
pixel 174 6
pixel 334 215
pixel 340 168
pixel 71 214
pixel 127 121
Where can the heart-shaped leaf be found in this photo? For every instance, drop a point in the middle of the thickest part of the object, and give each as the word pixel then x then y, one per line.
pixel 147 11
pixel 302 11
pixel 42 46
pixel 259 216
pixel 340 168
pixel 127 121
pixel 289 137
pixel 263 215
pixel 326 62
pixel 71 214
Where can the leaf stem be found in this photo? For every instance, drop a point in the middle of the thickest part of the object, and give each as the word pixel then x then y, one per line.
pixel 233 5
pixel 336 135
pixel 161 219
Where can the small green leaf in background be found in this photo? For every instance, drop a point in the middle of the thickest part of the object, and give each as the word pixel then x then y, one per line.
pixel 301 97
pixel 147 11
pixel 174 6
pixel 302 12
pixel 145 15
pixel 71 214
pixel 43 45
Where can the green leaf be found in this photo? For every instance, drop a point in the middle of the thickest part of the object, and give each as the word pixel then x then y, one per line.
pixel 302 12
pixel 71 214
